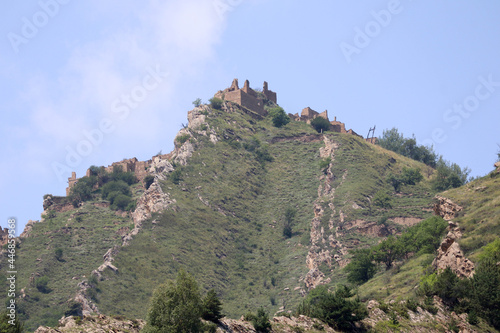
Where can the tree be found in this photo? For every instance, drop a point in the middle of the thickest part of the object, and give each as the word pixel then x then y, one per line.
pixel 388 251
pixel 212 307
pixel 361 268
pixel 114 186
pixel 449 175
pixel 320 124
pixel 279 117
pixel 7 327
pixel 395 181
pixel 261 321
pixel 486 291
pixel 175 307
pixel 336 309
pixel 411 176
pixel 197 102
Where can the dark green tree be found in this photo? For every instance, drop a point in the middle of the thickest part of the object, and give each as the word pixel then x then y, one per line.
pixel 486 291
pixel 395 181
pixel 388 251
pixel 279 116
pixel 261 321
pixel 7 327
pixel 212 307
pixel 449 175
pixel 411 176
pixel 320 124
pixel 175 307
pixel 337 309
pixel 361 268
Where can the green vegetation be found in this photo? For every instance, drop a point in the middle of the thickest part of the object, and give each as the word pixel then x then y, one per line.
pixel 182 138
pixel 449 175
pixel 261 321
pixel 9 325
pixel 197 102
pixel 382 199
pixel 148 180
pixel 58 253
pixel 175 307
pixel 211 307
pixel 320 124
pixel 423 238
pixel 278 116
pixel 337 309
pixel 396 142
pixel 41 284
pixel 216 103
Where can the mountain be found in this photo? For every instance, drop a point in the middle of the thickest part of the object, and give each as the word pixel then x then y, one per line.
pixel 260 213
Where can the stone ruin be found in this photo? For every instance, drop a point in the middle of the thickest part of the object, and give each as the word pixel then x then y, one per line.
pixel 139 168
pixel 247 97
pixel 255 101
pixel 308 114
pixel 4 236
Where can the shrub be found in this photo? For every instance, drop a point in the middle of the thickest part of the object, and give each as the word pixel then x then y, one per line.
pixel 42 285
pixel 175 307
pixel 197 102
pixel 320 124
pixel 148 180
pixel 395 181
pixel 121 201
pixel 82 190
pixel 120 187
pixel 182 138
pixel 216 103
pixel 74 309
pixel 58 253
pixel 325 164
pixel 176 176
pixel 449 175
pixel 279 117
pixel 411 176
pixel 382 199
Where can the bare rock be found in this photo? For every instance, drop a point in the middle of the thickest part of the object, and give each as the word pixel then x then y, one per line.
pixel 450 255
pixel 446 208
pixel 95 323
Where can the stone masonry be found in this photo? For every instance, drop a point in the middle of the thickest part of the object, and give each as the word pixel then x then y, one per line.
pixel 309 114
pixel 247 97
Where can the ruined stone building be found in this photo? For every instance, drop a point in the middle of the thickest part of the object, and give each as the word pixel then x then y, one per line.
pixel 309 114
pixel 247 97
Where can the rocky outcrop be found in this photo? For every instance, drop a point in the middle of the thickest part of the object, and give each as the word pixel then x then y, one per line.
pixel 450 255
pixel 446 208
pixel 325 248
pixel 88 306
pixel 92 324
pixel 497 166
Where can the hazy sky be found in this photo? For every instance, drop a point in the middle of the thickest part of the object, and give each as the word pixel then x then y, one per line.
pixel 92 82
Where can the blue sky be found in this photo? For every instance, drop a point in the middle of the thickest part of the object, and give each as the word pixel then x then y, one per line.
pixel 90 83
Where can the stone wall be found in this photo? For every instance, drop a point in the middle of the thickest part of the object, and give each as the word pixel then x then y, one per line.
pixel 247 97
pixel 139 168
pixel 4 236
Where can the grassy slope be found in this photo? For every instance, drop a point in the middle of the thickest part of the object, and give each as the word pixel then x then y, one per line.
pixel 479 222
pixel 241 253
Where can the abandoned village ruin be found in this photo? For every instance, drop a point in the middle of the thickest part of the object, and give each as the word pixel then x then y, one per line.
pixel 252 101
